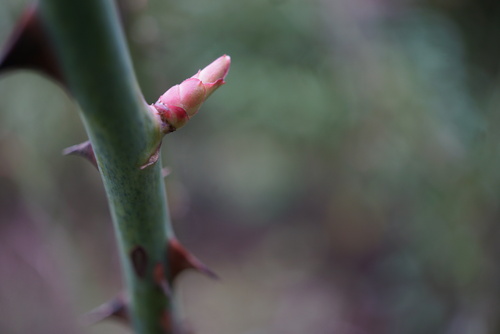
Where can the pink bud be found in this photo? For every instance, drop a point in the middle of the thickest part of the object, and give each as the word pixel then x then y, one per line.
pixel 188 95
pixel 183 101
pixel 213 75
pixel 192 94
pixel 171 117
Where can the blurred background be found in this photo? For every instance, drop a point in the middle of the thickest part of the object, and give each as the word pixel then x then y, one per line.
pixel 346 180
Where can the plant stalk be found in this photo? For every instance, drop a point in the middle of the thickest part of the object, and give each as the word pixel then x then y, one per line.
pixel 91 49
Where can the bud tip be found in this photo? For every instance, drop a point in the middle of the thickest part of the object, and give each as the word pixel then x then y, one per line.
pixel 215 71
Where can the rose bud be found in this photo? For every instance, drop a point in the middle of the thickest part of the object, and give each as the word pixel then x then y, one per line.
pixel 182 101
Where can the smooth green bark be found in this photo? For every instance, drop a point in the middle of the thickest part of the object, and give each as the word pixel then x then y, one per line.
pixel 91 48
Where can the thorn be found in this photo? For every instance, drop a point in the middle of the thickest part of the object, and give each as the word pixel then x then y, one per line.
pixel 170 324
pixel 165 171
pixel 114 308
pixel 166 322
pixel 179 259
pixel 29 47
pixel 139 259
pixel 153 158
pixel 161 281
pixel 84 150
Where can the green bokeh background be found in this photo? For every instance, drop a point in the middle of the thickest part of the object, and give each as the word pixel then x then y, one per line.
pixel 346 180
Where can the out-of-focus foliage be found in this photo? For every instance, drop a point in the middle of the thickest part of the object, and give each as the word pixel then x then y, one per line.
pixel 346 179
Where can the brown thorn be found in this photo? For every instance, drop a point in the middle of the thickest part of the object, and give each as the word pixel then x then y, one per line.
pixel 161 281
pixel 29 47
pixel 139 259
pixel 179 259
pixel 114 308
pixel 153 158
pixel 84 150
pixel 166 322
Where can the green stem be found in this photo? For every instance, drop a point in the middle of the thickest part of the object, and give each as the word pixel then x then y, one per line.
pixel 96 64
